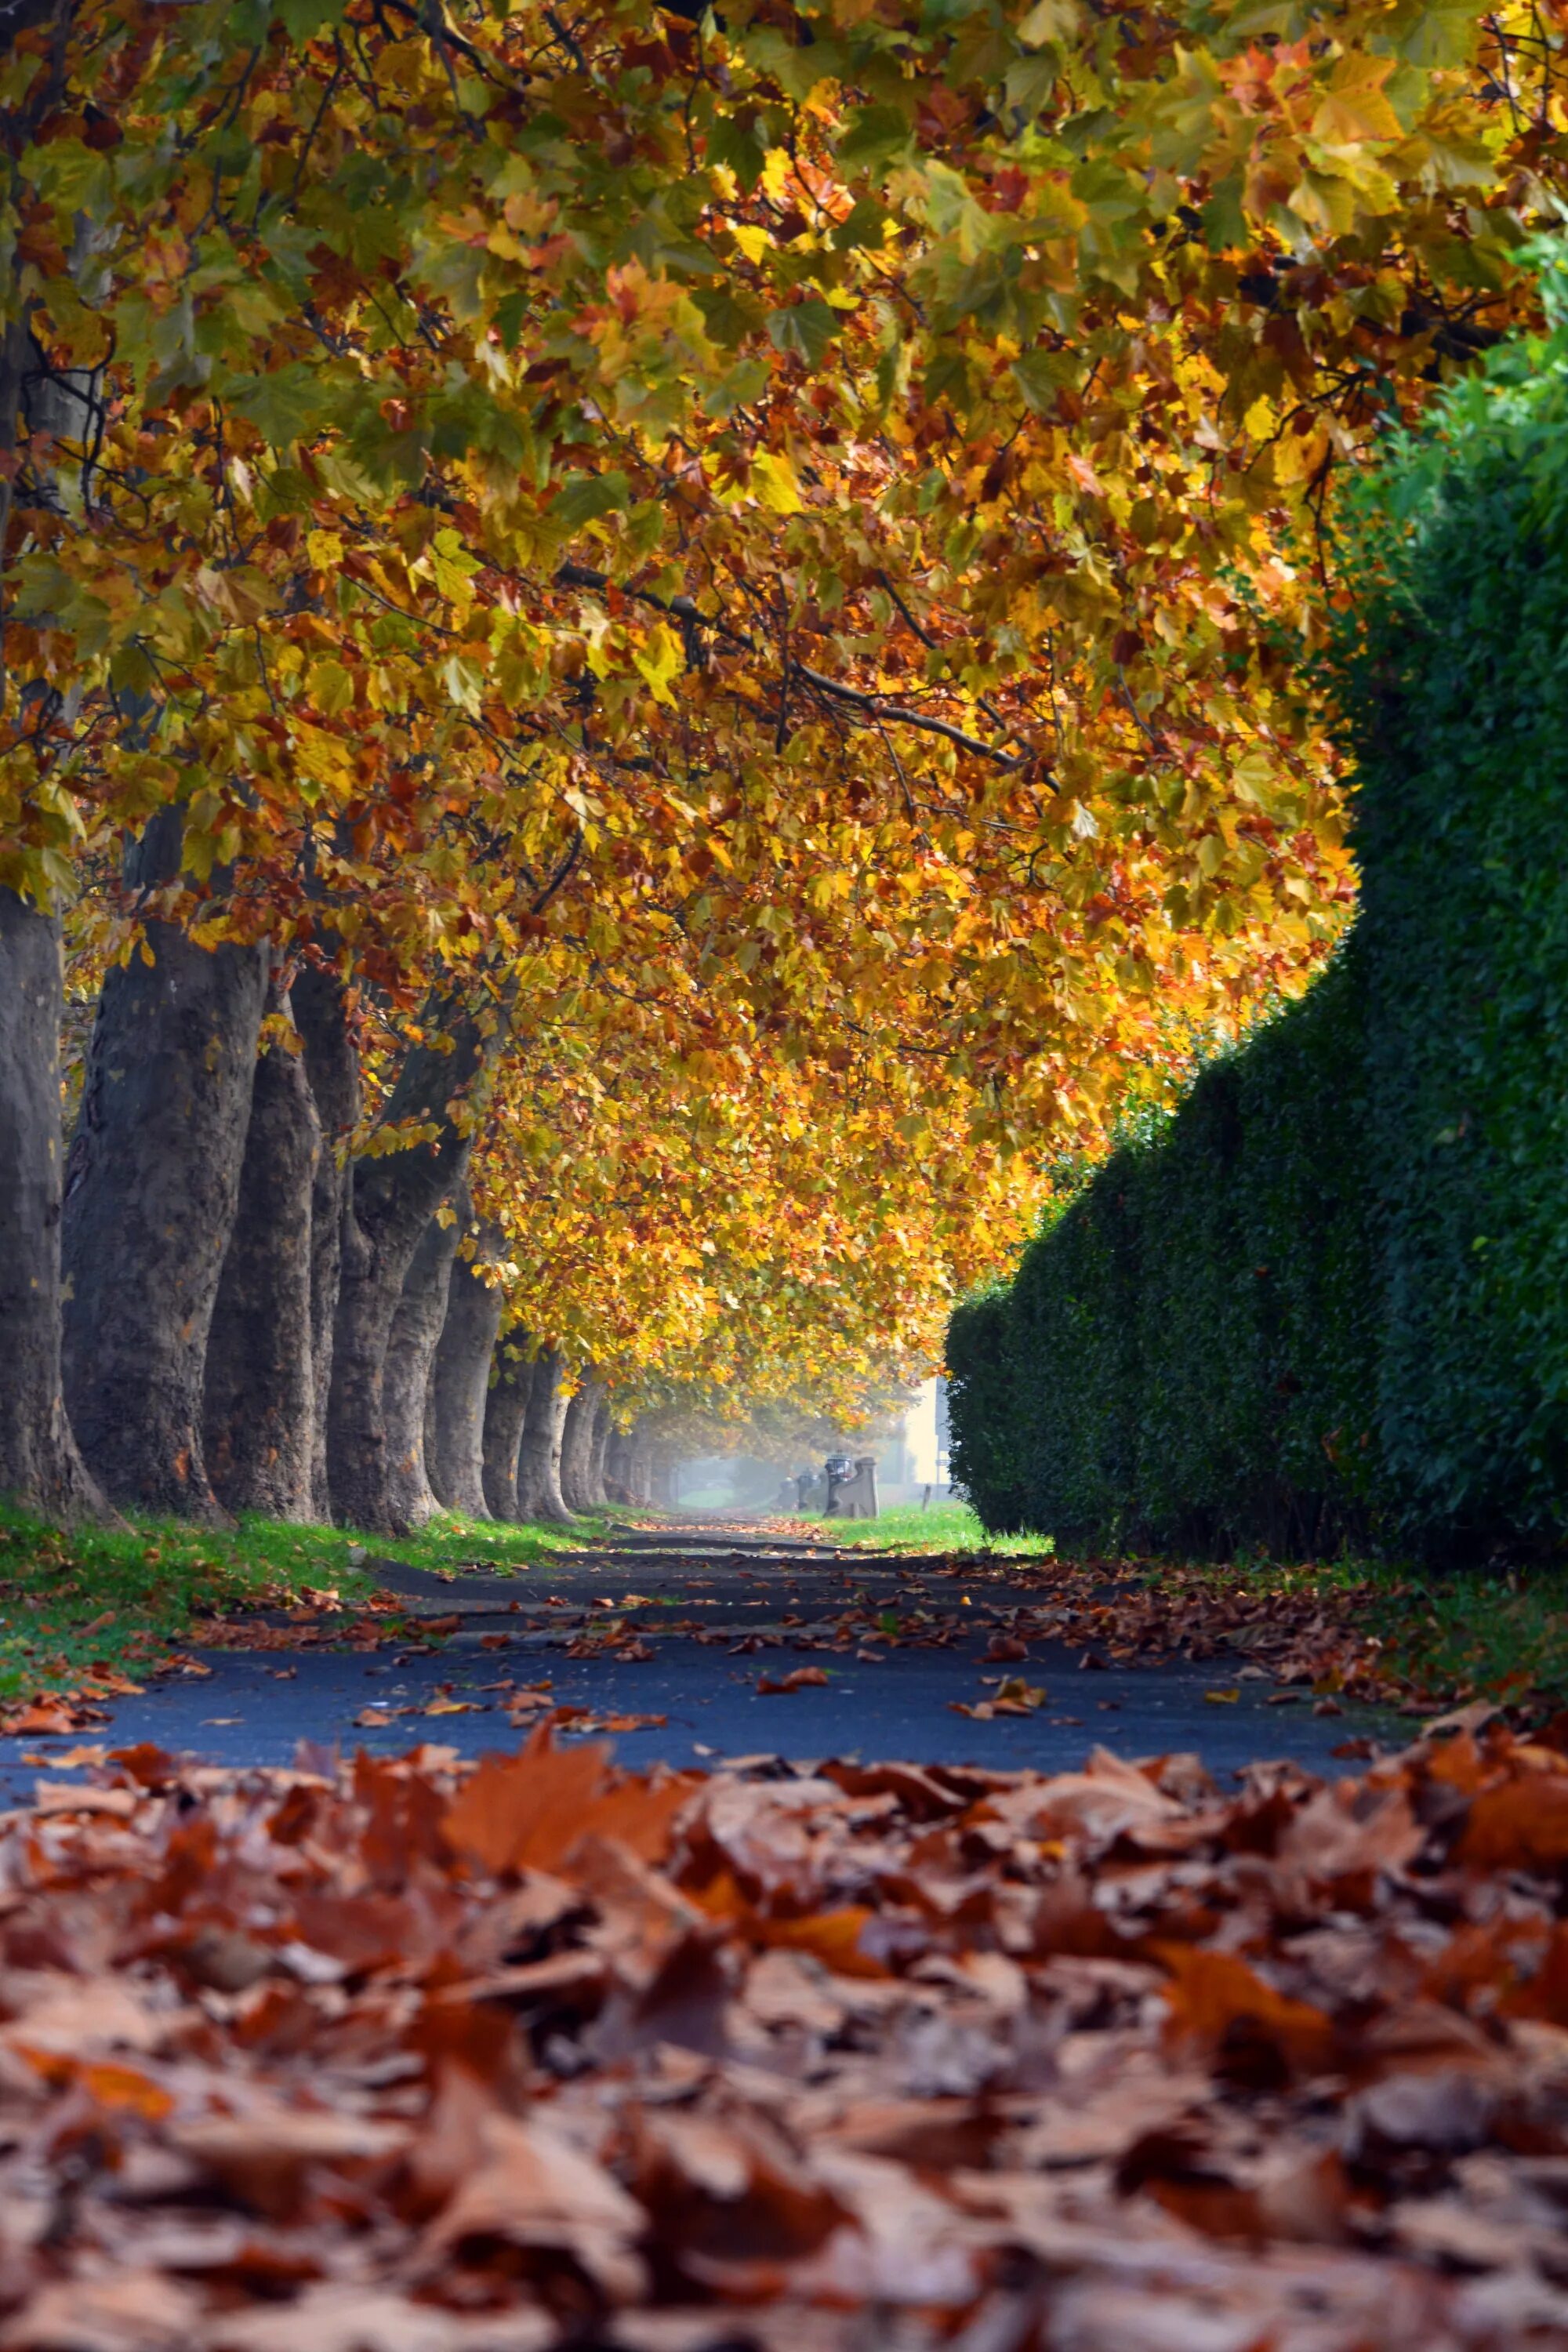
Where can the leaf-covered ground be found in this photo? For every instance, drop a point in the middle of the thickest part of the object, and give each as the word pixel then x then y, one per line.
pixel 409 2056
pixel 89 1605
pixel 87 1618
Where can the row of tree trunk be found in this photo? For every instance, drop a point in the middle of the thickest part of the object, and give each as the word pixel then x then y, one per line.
pixel 212 1307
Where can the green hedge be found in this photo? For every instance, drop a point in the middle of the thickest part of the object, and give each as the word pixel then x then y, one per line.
pixel 1185 1358
pixel 1328 1300
pixel 1456 688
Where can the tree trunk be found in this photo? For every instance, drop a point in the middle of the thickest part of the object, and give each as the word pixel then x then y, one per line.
pixel 619 1466
pixel 557 1436
pixel 460 1384
pixel 39 1465
pixel 405 1381
pixel 152 1183
pixel 506 1410
pixel 259 1417
pixel 604 1428
pixel 660 1477
pixel 578 1445
pixel 393 1199
pixel 640 1473
pixel 319 1003
pixel 539 1495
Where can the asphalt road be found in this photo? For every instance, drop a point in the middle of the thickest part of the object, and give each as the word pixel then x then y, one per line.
pixel 889 1695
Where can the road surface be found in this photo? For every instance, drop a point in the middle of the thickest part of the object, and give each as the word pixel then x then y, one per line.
pixel 684 1626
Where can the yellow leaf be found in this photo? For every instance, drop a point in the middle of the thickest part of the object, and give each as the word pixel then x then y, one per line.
pixel 1049 20
pixel 660 660
pixel 330 687
pixel 773 482
pixel 1354 109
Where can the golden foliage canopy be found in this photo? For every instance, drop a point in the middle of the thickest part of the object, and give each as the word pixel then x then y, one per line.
pixel 786 538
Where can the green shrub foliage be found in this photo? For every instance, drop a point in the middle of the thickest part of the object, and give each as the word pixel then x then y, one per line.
pixel 1327 1301
pixel 1185 1357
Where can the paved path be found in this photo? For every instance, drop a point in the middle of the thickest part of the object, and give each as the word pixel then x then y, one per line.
pixel 686 1602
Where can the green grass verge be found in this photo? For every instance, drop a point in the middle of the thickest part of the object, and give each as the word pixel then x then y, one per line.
pixel 121 1598
pixel 1474 1634
pixel 941 1526
pixel 1444 1637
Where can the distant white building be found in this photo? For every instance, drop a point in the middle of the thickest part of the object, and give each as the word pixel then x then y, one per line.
pixel 916 1457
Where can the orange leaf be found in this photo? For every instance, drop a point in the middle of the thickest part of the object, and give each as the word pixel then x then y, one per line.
pixel 1521 1826
pixel 526 1808
pixel 1216 1999
pixel 801 1678
pixel 638 1814
pixel 123 2087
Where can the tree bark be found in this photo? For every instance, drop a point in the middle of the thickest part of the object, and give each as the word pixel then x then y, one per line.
pixel 392 1199
pixel 639 1470
pixel 152 1183
pixel 660 1476
pixel 539 1495
pixel 506 1410
pixel 39 1465
pixel 604 1427
pixel 578 1445
pixel 411 1351
pixel 258 1415
pixel 460 1384
pixel 619 1466
pixel 320 1007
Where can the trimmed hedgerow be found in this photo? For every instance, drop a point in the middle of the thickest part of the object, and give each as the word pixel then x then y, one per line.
pixel 1185 1355
pixel 1328 1299
pixel 1455 683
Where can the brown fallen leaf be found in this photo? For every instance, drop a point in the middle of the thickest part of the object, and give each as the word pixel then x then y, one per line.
pixel 1219 2003
pixel 1522 1825
pixel 338 2318
pixel 528 1809
pixel 136 2311
pixel 798 1678
pixel 40 1717
pixel 533 2188
pixel 1016 1696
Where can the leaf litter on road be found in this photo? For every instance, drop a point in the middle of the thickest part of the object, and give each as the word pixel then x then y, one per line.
pixel 410 2054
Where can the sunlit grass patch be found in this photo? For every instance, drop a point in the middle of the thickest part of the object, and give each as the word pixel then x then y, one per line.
pixel 1447 1635
pixel 939 1526
pixel 121 1598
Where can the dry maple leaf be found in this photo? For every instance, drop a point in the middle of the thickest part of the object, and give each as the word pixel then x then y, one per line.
pixel 798 1678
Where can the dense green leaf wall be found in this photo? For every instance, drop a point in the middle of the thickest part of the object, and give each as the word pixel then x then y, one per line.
pixel 1457 691
pixel 1328 1299
pixel 1186 1356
